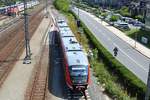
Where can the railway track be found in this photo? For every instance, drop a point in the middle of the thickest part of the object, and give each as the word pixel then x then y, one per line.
pixel 12 43
pixel 38 88
pixel 8 22
pixel 76 95
pixel 3 17
pixel 38 84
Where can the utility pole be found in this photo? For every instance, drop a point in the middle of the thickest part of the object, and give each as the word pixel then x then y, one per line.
pixel 136 35
pixel 78 8
pixel 78 21
pixel 148 86
pixel 46 7
pixel 27 59
pixel 80 31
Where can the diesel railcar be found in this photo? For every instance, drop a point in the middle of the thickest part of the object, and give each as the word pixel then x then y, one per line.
pixel 75 60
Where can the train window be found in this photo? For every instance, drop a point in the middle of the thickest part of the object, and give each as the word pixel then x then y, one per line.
pixel 79 80
pixel 78 70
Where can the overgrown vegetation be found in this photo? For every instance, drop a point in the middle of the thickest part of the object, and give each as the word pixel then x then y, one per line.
pixel 104 14
pixel 118 80
pixel 114 18
pixel 62 5
pixel 139 17
pixel 124 11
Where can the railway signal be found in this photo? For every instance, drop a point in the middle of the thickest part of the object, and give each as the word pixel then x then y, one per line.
pixel 27 59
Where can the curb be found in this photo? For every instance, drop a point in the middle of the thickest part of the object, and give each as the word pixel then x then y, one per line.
pixel 120 37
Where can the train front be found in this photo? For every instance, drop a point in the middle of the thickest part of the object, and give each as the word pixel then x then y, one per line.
pixel 79 72
pixel 79 77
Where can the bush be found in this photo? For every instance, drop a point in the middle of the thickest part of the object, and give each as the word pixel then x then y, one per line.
pixel 104 77
pixel 139 17
pixel 62 5
pixel 114 18
pixel 104 15
pixel 124 11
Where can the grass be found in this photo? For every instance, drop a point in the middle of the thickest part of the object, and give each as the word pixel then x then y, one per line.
pixel 131 31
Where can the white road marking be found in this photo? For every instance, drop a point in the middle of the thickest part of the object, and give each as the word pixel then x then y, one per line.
pixel 109 39
pixel 129 57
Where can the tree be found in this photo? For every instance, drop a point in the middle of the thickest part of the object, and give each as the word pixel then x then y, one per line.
pixel 124 11
pixel 114 18
pixel 139 17
pixel 62 5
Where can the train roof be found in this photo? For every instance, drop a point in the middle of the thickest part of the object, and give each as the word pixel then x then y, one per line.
pixel 73 50
pixel 66 32
pixel 62 23
pixel 71 44
pixel 60 20
pixel 77 58
pixel 64 28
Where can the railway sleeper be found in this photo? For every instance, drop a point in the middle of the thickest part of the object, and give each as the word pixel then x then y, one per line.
pixel 76 95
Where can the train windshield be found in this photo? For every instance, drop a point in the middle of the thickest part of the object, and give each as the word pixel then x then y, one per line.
pixel 79 74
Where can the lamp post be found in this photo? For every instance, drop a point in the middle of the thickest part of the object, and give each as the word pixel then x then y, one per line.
pixel 27 59
pixel 136 35
pixel 46 7
pixel 78 8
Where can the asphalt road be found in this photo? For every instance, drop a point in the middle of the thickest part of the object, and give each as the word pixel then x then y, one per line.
pixel 128 56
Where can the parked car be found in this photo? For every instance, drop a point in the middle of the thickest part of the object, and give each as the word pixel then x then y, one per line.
pixel 121 25
pixel 138 24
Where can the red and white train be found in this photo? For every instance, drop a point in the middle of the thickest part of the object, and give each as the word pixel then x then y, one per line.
pixel 14 10
pixel 76 65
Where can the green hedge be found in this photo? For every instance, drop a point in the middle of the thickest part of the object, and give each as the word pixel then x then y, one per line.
pixel 134 85
pixel 62 5
pixel 111 87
